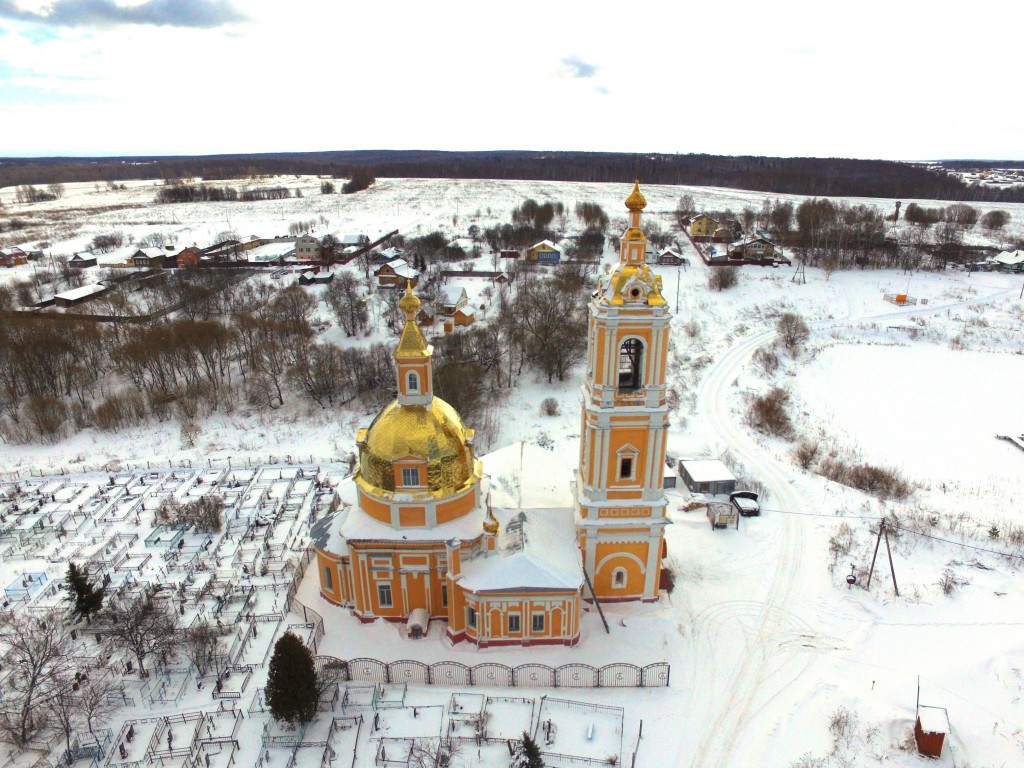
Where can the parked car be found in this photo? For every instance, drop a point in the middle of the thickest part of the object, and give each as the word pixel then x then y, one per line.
pixel 745 503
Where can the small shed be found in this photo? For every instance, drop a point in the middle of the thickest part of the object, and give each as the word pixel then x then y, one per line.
pixel 707 476
pixel 417 624
pixel 930 729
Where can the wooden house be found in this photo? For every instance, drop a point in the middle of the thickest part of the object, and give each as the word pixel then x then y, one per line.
pixel 396 272
pixel 148 258
pixel 509 253
pixel 671 258
pixel 753 248
pixel 82 260
pixel 544 252
pixel 451 298
pixel 13 257
pixel 702 227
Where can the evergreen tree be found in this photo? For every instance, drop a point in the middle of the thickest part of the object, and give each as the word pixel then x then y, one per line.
pixel 531 753
pixel 291 683
pixel 87 598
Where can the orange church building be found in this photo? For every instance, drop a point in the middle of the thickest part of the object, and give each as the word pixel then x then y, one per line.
pixel 416 538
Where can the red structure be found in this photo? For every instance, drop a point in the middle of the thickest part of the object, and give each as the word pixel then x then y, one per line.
pixel 930 730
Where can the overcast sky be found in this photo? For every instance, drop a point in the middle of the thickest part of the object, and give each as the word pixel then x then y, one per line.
pixel 897 80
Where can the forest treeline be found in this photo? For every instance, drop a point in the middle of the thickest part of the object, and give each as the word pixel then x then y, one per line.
pixel 796 175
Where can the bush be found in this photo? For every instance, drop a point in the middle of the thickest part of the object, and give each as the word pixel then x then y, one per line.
pixel 768 413
pixel 47 415
pixel 326 188
pixel 767 360
pixel 722 278
pixel 806 453
pixel 107 242
pixel 549 406
pixel 792 330
pixel 879 481
pixel 995 220
pixel 361 179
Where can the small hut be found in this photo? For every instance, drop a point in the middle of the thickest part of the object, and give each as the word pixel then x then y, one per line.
pixel 930 729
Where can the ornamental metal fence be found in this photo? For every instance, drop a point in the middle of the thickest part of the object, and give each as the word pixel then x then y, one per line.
pixel 455 674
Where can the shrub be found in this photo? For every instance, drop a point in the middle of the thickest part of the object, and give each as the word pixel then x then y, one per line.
pixel 768 413
pixel 948 582
pixel 692 328
pixel 995 220
pixel 361 179
pixel 806 453
pixel 767 360
pixel 107 242
pixel 879 481
pixel 549 406
pixel 722 278
pixel 792 330
pixel 47 415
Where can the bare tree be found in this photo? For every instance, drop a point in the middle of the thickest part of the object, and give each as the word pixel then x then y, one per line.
pixel 434 753
pixel 792 330
pixel 202 646
pixel 144 624
pixel 40 659
pixel 56 189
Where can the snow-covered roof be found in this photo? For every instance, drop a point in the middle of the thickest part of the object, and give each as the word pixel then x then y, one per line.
pixel 545 244
pixel 270 251
pixel 707 470
pixel 467 311
pixel 1010 258
pixel 80 293
pixel 151 253
pixel 451 294
pixel 418 617
pixel 82 256
pixel 933 719
pixel 548 559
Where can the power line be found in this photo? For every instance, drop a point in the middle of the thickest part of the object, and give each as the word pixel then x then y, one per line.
pixel 958 543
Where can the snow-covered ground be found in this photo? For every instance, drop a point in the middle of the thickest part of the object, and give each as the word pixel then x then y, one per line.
pixel 766 640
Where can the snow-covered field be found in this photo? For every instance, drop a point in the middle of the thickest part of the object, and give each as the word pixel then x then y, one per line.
pixel 766 640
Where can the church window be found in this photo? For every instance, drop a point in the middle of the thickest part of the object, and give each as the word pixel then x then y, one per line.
pixel 444 595
pixel 631 355
pixel 410 476
pixel 414 382
pixel 471 618
pixel 538 622
pixel 626 468
pixel 384 595
pixel 328 578
pixel 619 578
pixel 513 623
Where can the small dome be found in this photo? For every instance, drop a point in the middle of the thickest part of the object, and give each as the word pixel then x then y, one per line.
pixel 432 432
pixel 636 200
pixel 490 523
pixel 409 303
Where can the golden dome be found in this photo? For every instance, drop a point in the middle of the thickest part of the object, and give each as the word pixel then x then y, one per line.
pixel 409 303
pixel 636 200
pixel 433 432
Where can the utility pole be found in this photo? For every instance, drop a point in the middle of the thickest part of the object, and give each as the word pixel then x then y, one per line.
pixel 883 531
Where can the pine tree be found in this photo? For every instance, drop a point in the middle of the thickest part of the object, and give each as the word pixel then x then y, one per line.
pixel 87 598
pixel 531 753
pixel 291 683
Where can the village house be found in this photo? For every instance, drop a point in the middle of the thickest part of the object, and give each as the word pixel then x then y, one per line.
pixel 397 272
pixel 13 257
pixel 702 227
pixel 307 248
pixel 451 298
pixel 316 276
pixel 1010 261
pixel 544 252
pixel 753 248
pixel 149 258
pixel 355 239
pixel 82 260
pixel 190 256
pixel 671 258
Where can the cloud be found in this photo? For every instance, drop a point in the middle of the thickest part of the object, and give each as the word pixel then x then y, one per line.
pixel 577 67
pixel 99 13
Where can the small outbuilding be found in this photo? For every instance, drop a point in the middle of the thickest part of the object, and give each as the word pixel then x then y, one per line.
pixel 930 730
pixel 82 260
pixel 707 476
pixel 418 623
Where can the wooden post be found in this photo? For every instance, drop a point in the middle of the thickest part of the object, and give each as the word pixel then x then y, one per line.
pixel 881 527
pixel 892 568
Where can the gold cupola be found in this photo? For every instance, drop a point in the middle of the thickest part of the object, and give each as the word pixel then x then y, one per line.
pixel 631 281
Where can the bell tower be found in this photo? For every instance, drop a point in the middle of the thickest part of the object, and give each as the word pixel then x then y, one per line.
pixel 620 495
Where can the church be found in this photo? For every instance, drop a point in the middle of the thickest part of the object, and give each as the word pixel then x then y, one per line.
pixel 417 538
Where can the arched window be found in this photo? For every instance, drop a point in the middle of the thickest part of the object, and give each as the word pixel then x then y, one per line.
pixel 413 382
pixel 619 578
pixel 631 358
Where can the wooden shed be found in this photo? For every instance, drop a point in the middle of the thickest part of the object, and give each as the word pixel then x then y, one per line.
pixel 707 476
pixel 930 730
